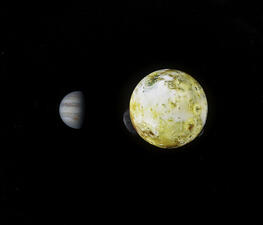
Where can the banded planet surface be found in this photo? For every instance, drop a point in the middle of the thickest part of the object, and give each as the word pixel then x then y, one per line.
pixel 71 109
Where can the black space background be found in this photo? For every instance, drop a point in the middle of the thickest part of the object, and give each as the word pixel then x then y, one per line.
pixel 51 174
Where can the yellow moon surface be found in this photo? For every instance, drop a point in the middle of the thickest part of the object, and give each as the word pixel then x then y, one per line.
pixel 168 108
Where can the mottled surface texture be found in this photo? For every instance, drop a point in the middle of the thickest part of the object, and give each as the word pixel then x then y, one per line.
pixel 168 108
pixel 71 109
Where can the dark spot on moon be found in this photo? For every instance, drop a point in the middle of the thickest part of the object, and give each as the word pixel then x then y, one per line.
pixel 152 80
pixel 197 108
pixel 191 127
pixel 148 133
pixel 173 104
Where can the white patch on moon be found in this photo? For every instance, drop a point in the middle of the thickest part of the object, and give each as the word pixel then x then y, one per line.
pixel 168 108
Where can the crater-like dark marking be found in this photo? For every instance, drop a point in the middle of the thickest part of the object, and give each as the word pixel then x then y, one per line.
pixel 191 127
pixel 152 80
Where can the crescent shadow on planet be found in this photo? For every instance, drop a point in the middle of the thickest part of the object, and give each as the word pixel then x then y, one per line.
pixel 127 122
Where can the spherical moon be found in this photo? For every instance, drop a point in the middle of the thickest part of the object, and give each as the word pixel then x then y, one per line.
pixel 71 109
pixel 168 108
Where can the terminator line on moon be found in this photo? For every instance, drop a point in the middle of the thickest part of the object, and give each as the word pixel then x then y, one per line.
pixel 168 108
pixel 71 109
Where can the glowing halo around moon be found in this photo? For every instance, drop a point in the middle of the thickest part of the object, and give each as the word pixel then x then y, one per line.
pixel 168 108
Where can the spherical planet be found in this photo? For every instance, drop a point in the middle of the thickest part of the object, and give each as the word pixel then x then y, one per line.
pixel 168 108
pixel 71 109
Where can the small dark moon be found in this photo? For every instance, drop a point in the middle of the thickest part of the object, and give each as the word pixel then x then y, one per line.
pixel 127 122
pixel 201 133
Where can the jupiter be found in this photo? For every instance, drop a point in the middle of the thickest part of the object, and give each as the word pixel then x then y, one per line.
pixel 71 109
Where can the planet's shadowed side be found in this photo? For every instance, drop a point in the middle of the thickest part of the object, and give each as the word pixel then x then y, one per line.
pixel 71 109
